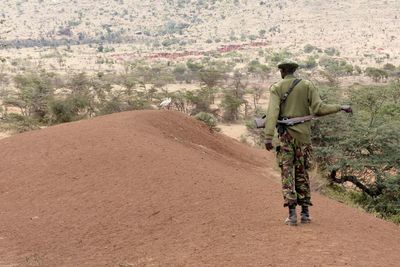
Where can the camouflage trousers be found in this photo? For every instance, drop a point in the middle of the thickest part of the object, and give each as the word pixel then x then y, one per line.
pixel 294 160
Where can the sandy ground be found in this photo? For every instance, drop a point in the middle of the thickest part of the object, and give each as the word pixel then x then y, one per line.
pixel 4 135
pixel 157 188
pixel 235 131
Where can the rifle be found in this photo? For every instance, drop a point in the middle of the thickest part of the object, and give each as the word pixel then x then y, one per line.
pixel 260 122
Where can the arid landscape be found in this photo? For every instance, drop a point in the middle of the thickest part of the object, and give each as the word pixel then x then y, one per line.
pixel 127 132
pixel 363 32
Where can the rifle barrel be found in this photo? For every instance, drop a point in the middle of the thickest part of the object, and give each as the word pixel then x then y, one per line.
pixel 297 120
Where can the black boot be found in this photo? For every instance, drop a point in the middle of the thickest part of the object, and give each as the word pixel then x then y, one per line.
pixel 292 219
pixel 305 215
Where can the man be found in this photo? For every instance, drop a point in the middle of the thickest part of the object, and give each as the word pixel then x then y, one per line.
pixel 295 141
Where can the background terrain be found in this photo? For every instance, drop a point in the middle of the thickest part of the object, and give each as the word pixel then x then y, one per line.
pixel 363 31
pixel 148 188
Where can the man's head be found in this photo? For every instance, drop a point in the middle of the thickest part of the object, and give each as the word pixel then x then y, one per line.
pixel 287 67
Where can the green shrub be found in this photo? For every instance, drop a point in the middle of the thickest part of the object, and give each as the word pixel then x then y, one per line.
pixel 170 42
pixel 309 48
pixel 331 51
pixel 335 66
pixel 20 123
pixel 72 108
pixel 310 63
pixel 279 56
pixel 252 37
pixel 208 119
pixel 112 106
pixel 376 74
pixel 231 104
pixel 61 111
pixel 389 67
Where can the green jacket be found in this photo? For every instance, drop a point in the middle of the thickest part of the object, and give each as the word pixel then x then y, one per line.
pixel 302 101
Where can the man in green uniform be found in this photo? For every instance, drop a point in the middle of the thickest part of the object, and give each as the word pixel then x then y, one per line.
pixel 295 141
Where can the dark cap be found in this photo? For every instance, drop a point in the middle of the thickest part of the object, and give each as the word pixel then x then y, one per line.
pixel 288 62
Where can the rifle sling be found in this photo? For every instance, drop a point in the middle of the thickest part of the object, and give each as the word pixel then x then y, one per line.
pixel 281 127
pixel 292 86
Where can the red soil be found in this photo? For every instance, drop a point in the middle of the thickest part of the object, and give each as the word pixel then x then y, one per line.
pixel 156 188
pixel 177 55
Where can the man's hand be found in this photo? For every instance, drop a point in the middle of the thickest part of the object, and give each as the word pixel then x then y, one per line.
pixel 268 144
pixel 346 108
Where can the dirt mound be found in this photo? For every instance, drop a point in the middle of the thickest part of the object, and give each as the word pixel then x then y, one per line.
pixel 155 188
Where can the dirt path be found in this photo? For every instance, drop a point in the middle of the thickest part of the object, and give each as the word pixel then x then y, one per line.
pixel 156 188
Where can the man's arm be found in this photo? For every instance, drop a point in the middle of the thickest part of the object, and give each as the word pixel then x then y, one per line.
pixel 317 106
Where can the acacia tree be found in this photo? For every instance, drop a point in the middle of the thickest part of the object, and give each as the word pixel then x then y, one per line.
pixel 150 78
pixel 180 72
pixel 82 96
pixel 257 90
pixel 258 70
pixel 161 76
pixel 33 92
pixel 376 74
pixel 363 149
pixel 233 97
pixel 199 101
pixel 209 80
